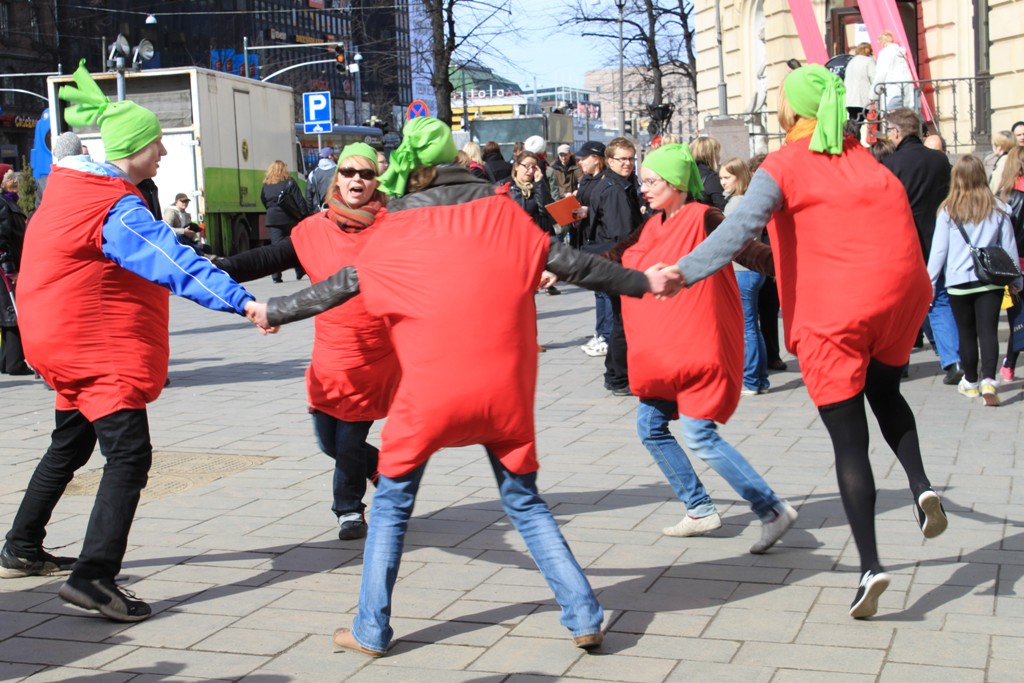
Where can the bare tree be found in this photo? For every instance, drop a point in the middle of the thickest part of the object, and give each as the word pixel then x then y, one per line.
pixel 460 26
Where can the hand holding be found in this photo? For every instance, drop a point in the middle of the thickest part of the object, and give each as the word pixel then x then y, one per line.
pixel 580 213
pixel 665 281
pixel 257 313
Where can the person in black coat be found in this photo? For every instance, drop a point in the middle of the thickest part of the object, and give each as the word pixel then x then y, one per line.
pixel 925 174
pixel 285 206
pixel 498 170
pixel 12 238
pixel 707 152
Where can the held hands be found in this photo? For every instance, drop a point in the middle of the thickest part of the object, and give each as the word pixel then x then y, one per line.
pixel 257 313
pixel 664 281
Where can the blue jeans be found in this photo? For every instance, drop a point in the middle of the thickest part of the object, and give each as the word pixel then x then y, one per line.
pixel 702 438
pixel 941 328
pixel 603 309
pixel 755 355
pixel 354 459
pixel 382 554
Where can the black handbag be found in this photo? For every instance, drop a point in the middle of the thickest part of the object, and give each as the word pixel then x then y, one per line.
pixel 8 311
pixel 992 265
pixel 290 205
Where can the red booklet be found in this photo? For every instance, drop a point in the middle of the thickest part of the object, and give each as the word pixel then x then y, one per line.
pixel 562 210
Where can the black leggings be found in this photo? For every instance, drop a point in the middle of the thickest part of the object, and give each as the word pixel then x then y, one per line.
pixel 847 424
pixel 977 321
pixel 1011 355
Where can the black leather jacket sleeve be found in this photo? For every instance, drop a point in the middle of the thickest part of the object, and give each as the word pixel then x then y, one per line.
pixel 326 294
pixel 257 263
pixel 593 272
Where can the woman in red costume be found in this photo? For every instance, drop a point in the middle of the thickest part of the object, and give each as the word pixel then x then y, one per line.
pixel 354 372
pixel 453 268
pixel 854 292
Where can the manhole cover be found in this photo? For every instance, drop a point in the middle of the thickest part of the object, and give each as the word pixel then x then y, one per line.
pixel 173 473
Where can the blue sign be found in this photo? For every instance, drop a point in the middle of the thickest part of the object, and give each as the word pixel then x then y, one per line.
pixel 316 112
pixel 417 109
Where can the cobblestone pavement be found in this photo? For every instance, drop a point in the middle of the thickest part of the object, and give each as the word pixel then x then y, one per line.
pixel 236 549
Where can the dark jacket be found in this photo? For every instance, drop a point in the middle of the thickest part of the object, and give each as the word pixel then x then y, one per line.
pixel 12 235
pixel 714 194
pixel 614 212
pixel 455 185
pixel 925 176
pixel 277 217
pixel 534 205
pixel 1016 203
pixel 498 170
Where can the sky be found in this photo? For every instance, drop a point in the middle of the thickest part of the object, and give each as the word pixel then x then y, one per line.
pixel 547 48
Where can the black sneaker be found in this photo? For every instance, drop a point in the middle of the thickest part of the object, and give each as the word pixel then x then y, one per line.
pixel 930 514
pixel 44 564
pixel 953 374
pixel 872 585
pixel 352 529
pixel 104 596
pixel 622 391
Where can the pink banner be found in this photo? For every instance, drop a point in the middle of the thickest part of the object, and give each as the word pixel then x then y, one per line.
pixel 809 31
pixel 882 15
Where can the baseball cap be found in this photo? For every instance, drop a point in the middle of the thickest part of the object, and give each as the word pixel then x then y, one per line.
pixel 590 147
pixel 326 152
pixel 564 149
pixel 181 197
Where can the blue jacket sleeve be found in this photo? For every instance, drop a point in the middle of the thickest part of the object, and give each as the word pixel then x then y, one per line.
pixel 134 240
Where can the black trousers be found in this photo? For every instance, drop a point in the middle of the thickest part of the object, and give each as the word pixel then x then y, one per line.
pixel 12 357
pixel 124 441
pixel 616 375
pixel 768 313
pixel 278 234
pixel 977 321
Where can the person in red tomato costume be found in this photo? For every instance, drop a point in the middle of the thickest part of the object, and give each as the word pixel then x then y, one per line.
pixel 854 292
pixel 686 355
pixel 93 304
pixel 453 268
pixel 354 371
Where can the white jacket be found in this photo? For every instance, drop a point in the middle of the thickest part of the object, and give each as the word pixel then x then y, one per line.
pixel 860 74
pixel 892 67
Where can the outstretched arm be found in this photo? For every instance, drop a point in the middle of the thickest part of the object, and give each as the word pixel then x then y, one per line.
pixel 324 295
pixel 596 273
pixel 257 263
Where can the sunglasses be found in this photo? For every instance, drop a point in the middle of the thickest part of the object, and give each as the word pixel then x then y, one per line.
pixel 364 173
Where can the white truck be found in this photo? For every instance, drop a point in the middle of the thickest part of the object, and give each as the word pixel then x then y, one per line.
pixel 221 133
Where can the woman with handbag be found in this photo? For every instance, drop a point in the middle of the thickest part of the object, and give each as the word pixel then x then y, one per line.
pixel 972 218
pixel 285 206
pixel 12 237
pixel 1011 191
pixel 827 237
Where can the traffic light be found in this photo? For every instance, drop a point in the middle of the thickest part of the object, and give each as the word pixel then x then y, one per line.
pixel 629 127
pixel 339 64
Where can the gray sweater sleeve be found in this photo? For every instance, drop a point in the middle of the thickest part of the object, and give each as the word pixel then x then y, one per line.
pixel 762 199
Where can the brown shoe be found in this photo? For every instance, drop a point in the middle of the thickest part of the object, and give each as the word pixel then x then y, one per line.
pixel 344 640
pixel 589 641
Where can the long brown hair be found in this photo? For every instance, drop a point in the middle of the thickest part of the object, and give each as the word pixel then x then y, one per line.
pixel 739 169
pixel 970 200
pixel 276 173
pixel 421 178
pixel 1012 170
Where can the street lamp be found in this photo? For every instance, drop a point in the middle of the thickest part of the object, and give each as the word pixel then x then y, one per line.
pixel 353 68
pixel 621 4
pixel 723 98
pixel 120 50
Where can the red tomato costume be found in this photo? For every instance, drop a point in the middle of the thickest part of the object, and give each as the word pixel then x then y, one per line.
pixel 354 370
pixel 687 349
pixel 844 300
pixel 104 348
pixel 468 352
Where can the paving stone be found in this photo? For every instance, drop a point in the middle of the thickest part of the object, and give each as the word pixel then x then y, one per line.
pixel 914 673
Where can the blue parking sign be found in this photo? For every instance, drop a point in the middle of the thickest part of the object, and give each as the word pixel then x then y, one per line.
pixel 316 112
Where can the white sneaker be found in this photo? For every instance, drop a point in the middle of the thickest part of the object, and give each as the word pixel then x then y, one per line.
pixel 591 343
pixel 694 526
pixel 968 389
pixel 600 348
pixel 989 392
pixel 772 531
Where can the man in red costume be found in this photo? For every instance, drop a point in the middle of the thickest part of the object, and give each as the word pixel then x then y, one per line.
pixel 93 249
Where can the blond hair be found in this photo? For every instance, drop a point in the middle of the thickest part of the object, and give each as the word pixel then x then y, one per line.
pixel 473 151
pixel 1004 140
pixel 1012 170
pixel 706 151
pixel 9 177
pixel 617 144
pixel 863 49
pixel 886 37
pixel 277 172
pixel 787 117
pixel 970 200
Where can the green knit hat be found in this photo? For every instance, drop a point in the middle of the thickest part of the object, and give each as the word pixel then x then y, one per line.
pixel 124 126
pixel 426 141
pixel 814 92
pixel 675 164
pixel 359 149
